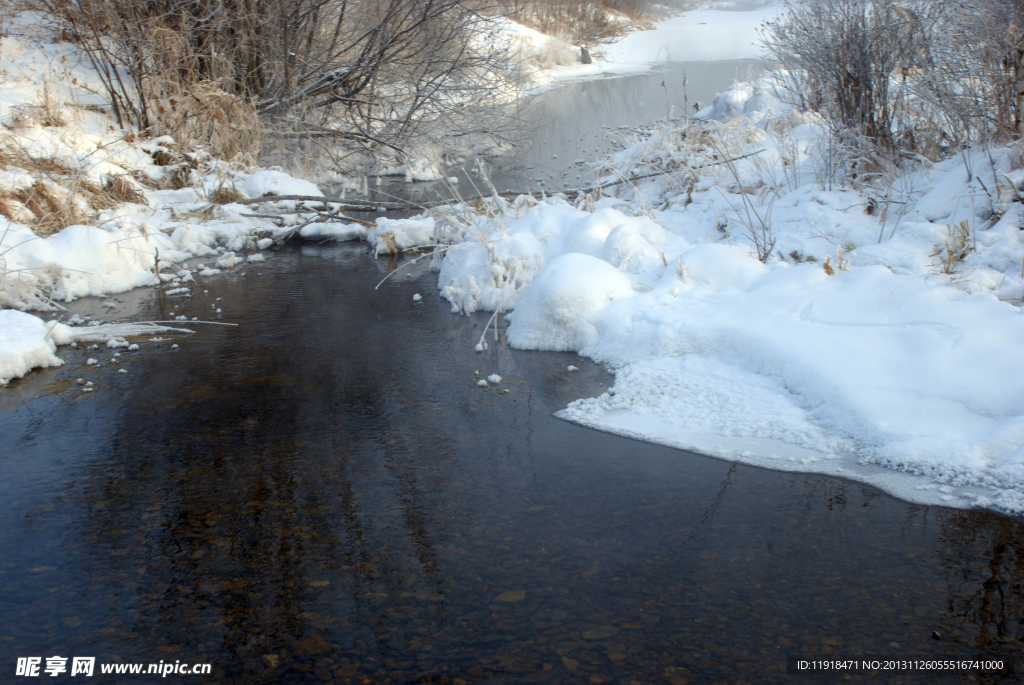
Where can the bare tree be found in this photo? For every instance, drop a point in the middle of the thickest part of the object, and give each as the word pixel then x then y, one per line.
pixel 365 73
pixel 578 21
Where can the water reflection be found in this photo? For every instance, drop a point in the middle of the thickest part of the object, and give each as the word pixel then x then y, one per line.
pixel 325 495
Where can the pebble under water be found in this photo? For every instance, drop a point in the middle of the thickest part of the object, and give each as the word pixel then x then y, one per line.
pixel 323 494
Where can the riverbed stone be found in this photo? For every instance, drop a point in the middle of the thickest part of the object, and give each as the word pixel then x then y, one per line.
pixel 602 633
pixel 313 644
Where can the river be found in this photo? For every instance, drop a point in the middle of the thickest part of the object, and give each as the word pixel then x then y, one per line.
pixel 325 494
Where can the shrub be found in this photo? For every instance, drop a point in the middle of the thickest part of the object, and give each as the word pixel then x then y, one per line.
pixel 977 78
pixel 580 22
pixel 850 60
pixel 210 72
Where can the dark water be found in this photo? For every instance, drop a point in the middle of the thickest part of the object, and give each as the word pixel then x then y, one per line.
pixel 324 495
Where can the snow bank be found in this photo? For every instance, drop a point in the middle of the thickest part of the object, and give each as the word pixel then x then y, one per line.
pixel 424 168
pixel 26 342
pixel 706 35
pixel 897 365
pixel 391 236
pixel 864 367
pixel 271 182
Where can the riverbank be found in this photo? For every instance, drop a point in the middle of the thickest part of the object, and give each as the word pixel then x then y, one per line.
pixel 88 210
pixel 753 313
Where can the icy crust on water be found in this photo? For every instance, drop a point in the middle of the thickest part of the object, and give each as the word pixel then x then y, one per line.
pixel 895 365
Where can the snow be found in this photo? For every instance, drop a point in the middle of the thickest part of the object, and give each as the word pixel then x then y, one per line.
pixel 703 35
pixel 899 369
pixel 417 169
pixel 560 308
pixel 494 378
pixel 707 35
pixel 270 182
pixel 390 236
pixel 332 231
pixel 26 342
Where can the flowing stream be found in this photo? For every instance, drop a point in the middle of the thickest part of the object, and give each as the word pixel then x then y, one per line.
pixel 324 494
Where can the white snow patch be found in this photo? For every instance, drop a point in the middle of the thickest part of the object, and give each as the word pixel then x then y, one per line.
pixel 268 182
pixel 391 236
pixel 27 342
pixel 332 231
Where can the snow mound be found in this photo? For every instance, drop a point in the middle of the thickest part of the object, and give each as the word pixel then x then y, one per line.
pixel 27 342
pixel 332 231
pixel 560 308
pixel 391 236
pixel 269 182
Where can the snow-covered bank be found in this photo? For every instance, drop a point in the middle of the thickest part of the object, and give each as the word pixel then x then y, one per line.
pixel 885 346
pixel 87 209
pixel 27 342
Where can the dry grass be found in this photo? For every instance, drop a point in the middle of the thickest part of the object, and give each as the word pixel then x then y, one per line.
pixel 46 112
pixel 955 248
pixel 180 177
pixel 59 196
pixel 122 189
pixel 47 207
pixel 225 194
pixel 163 158
pixel 197 112
pixel 580 22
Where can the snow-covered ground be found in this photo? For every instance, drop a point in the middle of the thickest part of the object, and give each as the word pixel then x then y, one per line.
pixel 886 346
pixel 132 220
